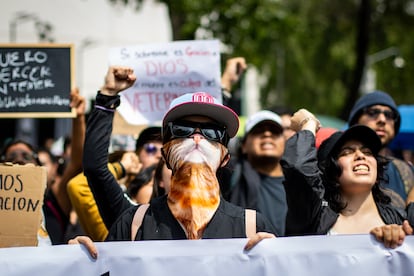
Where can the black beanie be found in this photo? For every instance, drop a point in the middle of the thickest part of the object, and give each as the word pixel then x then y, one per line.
pixel 370 99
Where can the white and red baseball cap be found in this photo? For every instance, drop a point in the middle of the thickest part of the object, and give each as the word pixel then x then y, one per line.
pixel 202 104
pixel 262 116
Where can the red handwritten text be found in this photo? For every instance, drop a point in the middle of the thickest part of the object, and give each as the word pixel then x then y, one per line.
pixel 150 101
pixel 190 52
pixel 170 67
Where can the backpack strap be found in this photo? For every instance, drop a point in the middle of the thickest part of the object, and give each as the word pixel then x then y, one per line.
pixel 138 218
pixel 250 221
pixel 406 172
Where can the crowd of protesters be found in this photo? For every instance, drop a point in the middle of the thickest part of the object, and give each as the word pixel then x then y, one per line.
pixel 181 182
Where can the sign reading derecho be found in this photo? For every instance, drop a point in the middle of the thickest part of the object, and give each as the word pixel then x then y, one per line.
pixel 22 188
pixel 164 72
pixel 35 80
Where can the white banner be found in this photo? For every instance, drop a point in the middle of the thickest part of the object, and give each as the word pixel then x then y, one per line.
pixel 164 72
pixel 312 255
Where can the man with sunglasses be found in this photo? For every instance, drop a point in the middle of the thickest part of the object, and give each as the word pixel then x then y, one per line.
pixel 378 111
pixel 196 130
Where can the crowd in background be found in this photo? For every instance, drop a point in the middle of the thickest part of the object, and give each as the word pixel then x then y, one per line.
pixel 286 166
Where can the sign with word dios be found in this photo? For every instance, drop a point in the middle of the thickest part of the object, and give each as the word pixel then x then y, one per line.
pixel 22 189
pixel 35 80
pixel 164 72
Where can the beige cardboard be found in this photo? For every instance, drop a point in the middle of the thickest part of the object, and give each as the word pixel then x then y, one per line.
pixel 120 126
pixel 21 199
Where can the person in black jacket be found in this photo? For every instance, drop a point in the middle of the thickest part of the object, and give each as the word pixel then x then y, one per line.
pixel 196 131
pixel 336 190
pixel 257 178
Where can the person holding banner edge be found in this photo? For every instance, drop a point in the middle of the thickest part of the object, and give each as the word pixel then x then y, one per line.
pixel 196 131
pixel 336 190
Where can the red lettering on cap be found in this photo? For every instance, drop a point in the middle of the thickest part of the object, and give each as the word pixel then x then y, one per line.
pixel 202 97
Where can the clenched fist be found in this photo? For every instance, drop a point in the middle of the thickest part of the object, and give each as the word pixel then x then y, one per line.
pixel 117 79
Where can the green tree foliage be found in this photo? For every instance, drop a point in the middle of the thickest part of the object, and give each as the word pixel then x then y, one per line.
pixel 312 53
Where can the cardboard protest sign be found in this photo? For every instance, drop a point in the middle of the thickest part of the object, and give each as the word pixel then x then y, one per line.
pixel 35 80
pixel 21 198
pixel 164 72
pixel 122 127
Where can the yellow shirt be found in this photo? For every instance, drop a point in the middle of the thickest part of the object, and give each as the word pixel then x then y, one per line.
pixel 85 206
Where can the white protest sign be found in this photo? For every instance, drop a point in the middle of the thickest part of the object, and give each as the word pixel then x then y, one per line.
pixel 164 72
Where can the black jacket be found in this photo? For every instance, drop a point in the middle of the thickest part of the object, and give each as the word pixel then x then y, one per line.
pixel 245 188
pixel 245 184
pixel 308 212
pixel 109 196
pixel 159 223
pixel 112 202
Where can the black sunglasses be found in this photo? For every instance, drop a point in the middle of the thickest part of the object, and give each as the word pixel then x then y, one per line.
pixel 185 129
pixel 375 112
pixel 23 155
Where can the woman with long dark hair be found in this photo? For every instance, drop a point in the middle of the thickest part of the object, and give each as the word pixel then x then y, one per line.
pixel 336 189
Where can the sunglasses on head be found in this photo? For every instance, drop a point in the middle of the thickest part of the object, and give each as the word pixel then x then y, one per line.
pixel 375 112
pixel 151 148
pixel 185 129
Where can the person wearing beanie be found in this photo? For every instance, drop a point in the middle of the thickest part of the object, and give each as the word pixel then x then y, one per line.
pixel 257 178
pixel 335 190
pixel 378 111
pixel 195 133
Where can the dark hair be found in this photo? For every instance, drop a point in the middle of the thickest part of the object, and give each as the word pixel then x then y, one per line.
pixel 331 172
pixel 59 160
pixel 66 143
pixel 149 134
pixel 10 143
pixel 142 178
pixel 62 164
pixel 157 190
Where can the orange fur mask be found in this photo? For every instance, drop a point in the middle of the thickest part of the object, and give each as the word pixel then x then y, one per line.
pixel 195 191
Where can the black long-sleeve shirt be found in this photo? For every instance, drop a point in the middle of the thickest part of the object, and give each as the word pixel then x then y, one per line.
pixel 115 209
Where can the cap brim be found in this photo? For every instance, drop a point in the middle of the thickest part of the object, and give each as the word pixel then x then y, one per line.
pixel 267 121
pixel 360 133
pixel 218 113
